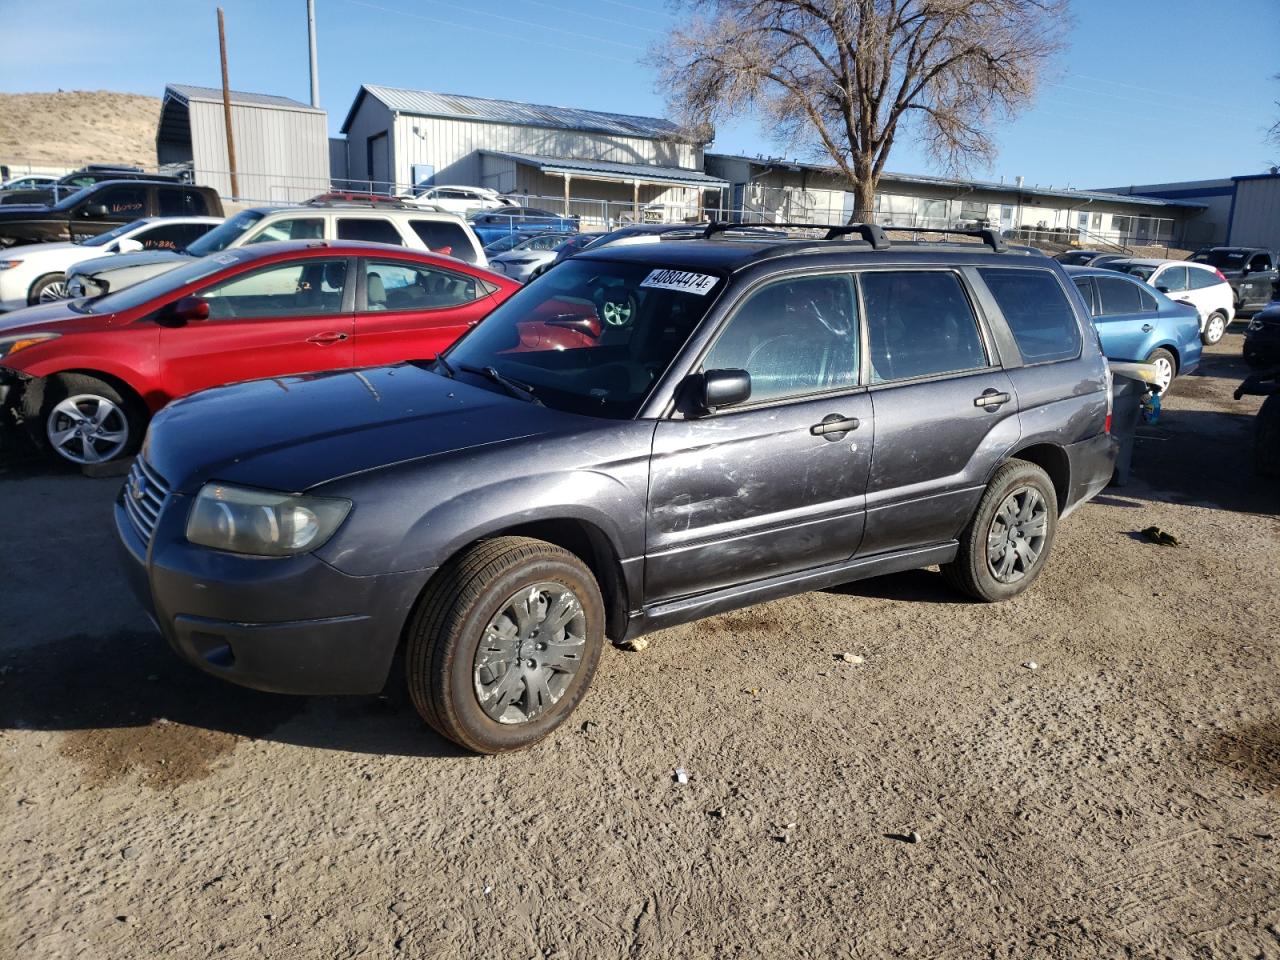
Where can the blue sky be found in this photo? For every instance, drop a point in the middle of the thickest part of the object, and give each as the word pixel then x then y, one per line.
pixel 1148 91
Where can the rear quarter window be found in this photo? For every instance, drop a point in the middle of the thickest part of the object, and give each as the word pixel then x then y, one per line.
pixel 445 237
pixel 1038 313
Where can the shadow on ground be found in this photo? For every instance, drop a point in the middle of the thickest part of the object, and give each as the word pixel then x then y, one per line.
pixel 129 705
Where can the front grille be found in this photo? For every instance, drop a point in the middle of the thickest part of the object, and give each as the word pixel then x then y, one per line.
pixel 144 495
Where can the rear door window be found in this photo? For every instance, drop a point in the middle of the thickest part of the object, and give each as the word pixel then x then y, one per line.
pixel 919 324
pixel 1172 279
pixel 293 228
pixel 181 201
pixel 444 237
pixel 369 229
pixel 1038 313
pixel 1119 297
pixel 411 286
pixel 1199 279
pixel 122 203
pixel 1086 291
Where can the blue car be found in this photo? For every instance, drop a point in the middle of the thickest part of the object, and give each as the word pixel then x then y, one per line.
pixel 1139 324
pixel 491 225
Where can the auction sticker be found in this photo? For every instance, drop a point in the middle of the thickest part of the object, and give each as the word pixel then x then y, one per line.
pixel 699 283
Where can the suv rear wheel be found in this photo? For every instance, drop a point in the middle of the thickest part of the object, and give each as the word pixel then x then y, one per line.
pixel 1214 328
pixel 1007 542
pixel 504 643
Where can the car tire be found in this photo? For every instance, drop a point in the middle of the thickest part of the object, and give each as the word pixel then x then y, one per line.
pixel 1215 327
pixel 114 420
pixel 1266 438
pixel 974 571
pixel 478 596
pixel 50 287
pixel 1168 365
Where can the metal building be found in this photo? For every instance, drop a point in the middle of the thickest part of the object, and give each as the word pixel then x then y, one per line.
pixel 594 163
pixel 783 190
pixel 1242 211
pixel 281 145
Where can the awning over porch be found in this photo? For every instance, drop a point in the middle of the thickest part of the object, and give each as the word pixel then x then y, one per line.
pixel 615 172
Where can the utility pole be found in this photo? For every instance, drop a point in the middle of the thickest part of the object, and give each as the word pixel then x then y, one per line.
pixel 226 106
pixel 311 39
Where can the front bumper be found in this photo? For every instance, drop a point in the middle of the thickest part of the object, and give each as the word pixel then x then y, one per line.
pixel 287 625
pixel 1092 463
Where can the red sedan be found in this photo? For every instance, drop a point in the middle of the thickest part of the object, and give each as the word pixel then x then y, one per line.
pixel 86 375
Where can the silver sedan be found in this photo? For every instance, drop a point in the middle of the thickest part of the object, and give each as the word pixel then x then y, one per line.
pixel 522 261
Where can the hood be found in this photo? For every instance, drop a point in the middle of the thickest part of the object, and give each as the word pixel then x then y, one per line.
pixel 23 251
pixel 36 316
pixel 122 260
pixel 294 433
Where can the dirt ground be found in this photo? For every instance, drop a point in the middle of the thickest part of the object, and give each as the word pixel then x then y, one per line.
pixel 1120 800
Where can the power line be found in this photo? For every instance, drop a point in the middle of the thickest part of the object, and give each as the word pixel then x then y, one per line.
pixel 589 16
pixel 465 8
pixel 491 34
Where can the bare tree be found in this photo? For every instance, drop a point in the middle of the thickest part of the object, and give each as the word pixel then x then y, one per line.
pixel 846 78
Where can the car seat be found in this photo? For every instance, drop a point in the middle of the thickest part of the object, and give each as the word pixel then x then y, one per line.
pixel 375 292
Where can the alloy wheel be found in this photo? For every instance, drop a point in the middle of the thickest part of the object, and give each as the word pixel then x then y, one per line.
pixel 87 429
pixel 530 652
pixel 57 290
pixel 1215 328
pixel 1017 535
pixel 617 314
pixel 1164 373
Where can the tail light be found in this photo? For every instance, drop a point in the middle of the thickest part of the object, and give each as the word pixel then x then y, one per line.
pixel 1111 381
pixel 1220 274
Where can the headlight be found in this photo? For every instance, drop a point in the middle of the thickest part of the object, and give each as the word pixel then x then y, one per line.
pixel 9 264
pixel 20 341
pixel 261 523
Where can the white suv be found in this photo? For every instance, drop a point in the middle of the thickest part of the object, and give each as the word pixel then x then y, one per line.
pixel 1198 284
pixel 384 222
pixel 459 200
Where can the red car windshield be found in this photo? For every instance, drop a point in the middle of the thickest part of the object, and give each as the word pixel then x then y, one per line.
pixel 590 336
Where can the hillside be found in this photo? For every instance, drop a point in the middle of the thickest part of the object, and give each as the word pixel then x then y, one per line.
pixel 75 127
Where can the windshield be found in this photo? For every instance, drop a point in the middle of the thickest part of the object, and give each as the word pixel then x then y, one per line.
pixel 1222 259
pixel 504 244
pixel 225 234
pixel 162 283
pixel 1142 271
pixel 590 337
pixel 102 239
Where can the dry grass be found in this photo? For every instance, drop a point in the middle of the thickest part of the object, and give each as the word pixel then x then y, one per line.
pixel 77 127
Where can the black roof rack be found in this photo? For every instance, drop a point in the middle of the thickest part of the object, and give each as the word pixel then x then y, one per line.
pixel 869 232
pixel 990 237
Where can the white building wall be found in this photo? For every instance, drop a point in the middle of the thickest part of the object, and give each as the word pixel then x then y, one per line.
pixel 282 156
pixel 453 147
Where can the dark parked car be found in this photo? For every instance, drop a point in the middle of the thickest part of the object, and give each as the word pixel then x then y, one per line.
pixel 644 436
pixel 1139 324
pixel 1262 338
pixel 101 207
pixel 491 225
pixel 1251 271
pixel 1266 435
pixel 77 180
pixel 1087 258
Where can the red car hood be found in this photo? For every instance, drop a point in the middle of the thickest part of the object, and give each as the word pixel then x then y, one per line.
pixel 45 316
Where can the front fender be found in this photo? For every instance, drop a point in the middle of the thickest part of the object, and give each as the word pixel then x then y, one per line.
pixel 418 515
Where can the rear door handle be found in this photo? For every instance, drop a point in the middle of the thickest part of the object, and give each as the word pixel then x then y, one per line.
pixel 327 338
pixel 1147 328
pixel 991 399
pixel 834 426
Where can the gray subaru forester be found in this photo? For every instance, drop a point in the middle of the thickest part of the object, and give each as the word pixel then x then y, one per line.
pixel 639 438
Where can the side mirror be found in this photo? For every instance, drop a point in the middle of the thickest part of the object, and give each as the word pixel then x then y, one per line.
pixel 1162 288
pixel 724 388
pixel 129 245
pixel 187 309
pixel 95 211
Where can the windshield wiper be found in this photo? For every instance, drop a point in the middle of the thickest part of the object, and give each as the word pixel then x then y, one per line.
pixel 444 365
pixel 517 389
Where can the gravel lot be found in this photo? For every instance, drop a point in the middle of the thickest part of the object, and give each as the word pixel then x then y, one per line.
pixel 1122 799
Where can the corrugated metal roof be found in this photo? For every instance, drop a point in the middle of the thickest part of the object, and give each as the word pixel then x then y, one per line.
pixel 955 184
pixel 650 173
pixel 187 92
pixel 424 103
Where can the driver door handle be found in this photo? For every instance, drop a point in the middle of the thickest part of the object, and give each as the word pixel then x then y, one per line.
pixel 327 338
pixel 991 399
pixel 834 426
pixel 1147 328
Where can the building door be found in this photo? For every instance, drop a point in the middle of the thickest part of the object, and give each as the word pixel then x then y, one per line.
pixel 378 159
pixel 1006 217
pixel 1083 224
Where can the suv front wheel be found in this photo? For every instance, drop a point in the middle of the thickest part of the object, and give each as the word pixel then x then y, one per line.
pixel 504 643
pixel 1007 542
